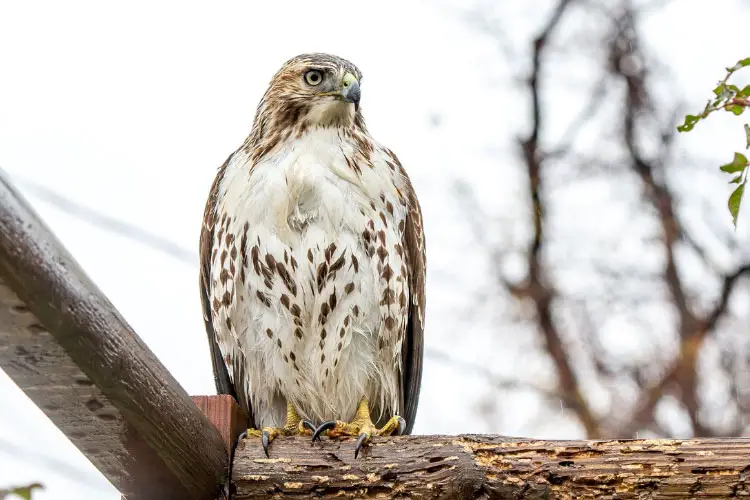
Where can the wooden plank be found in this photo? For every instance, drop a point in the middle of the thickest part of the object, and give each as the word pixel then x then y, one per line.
pixel 226 415
pixel 71 352
pixel 477 466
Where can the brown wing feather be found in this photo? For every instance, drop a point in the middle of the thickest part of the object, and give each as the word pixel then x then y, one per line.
pixel 412 347
pixel 222 379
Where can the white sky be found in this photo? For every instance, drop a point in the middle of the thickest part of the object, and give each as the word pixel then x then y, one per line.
pixel 130 108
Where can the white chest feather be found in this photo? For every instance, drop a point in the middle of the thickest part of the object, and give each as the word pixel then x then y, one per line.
pixel 312 282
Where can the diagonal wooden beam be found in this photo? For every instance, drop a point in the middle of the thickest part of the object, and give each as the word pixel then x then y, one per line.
pixel 71 352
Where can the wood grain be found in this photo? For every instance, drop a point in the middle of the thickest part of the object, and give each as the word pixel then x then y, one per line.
pixel 71 352
pixel 226 415
pixel 484 467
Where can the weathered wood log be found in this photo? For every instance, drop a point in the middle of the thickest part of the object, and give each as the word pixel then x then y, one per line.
pixel 476 466
pixel 66 346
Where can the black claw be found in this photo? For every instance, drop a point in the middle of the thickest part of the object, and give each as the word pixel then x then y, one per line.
pixel 264 439
pixel 308 425
pixel 360 442
pixel 401 427
pixel 322 428
pixel 240 438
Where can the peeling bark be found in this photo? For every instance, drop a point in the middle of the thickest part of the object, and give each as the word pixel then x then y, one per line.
pixel 483 467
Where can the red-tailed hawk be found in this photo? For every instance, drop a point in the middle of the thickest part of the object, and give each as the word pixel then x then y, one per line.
pixel 313 265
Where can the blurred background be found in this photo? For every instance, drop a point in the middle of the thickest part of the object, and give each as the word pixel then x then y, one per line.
pixel 584 276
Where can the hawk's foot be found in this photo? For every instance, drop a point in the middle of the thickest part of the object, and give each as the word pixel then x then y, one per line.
pixel 294 426
pixel 360 426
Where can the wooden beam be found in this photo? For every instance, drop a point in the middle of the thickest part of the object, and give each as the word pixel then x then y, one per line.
pixel 226 415
pixel 71 352
pixel 475 466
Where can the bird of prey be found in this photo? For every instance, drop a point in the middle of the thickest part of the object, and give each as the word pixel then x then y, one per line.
pixel 312 258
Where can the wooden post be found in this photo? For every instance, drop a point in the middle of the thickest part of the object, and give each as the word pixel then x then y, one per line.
pixel 226 415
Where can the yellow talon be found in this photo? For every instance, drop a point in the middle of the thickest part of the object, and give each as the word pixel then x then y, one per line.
pixel 361 426
pixel 294 426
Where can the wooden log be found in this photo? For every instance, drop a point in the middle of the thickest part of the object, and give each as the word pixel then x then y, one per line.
pixel 71 352
pixel 476 466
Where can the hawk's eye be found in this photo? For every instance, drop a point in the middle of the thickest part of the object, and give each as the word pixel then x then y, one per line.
pixel 313 77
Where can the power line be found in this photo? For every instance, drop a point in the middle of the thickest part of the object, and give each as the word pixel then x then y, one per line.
pixel 106 222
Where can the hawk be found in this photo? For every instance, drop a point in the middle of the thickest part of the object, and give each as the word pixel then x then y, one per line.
pixel 312 266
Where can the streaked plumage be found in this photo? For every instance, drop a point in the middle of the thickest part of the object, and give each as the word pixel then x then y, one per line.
pixel 313 260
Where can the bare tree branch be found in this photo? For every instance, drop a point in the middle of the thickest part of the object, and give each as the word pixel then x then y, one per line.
pixel 726 291
pixel 536 288
pixel 633 148
pixel 625 60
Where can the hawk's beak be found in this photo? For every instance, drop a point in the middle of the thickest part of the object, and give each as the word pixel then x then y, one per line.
pixel 350 90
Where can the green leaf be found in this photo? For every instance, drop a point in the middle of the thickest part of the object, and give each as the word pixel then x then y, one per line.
pixel 736 180
pixel 738 164
pixel 737 109
pixel 747 135
pixel 720 90
pixel 734 203
pixel 745 92
pixel 690 121
pixel 26 491
pixel 740 64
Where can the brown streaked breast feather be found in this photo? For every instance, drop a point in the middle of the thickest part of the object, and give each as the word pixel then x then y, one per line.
pixel 222 380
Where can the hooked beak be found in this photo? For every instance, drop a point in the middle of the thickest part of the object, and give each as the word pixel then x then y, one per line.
pixel 350 90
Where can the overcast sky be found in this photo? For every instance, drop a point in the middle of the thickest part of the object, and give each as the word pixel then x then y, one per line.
pixel 130 107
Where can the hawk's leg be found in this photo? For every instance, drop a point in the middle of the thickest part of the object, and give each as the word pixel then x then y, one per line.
pixel 294 426
pixel 361 426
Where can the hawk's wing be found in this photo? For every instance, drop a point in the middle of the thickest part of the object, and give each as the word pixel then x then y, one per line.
pixel 226 383
pixel 413 345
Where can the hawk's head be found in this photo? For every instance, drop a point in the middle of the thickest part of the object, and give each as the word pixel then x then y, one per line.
pixel 312 90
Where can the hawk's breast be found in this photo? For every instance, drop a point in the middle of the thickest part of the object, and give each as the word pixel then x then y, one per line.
pixel 309 278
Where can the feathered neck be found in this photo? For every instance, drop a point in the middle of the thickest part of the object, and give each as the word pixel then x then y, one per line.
pixel 278 120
